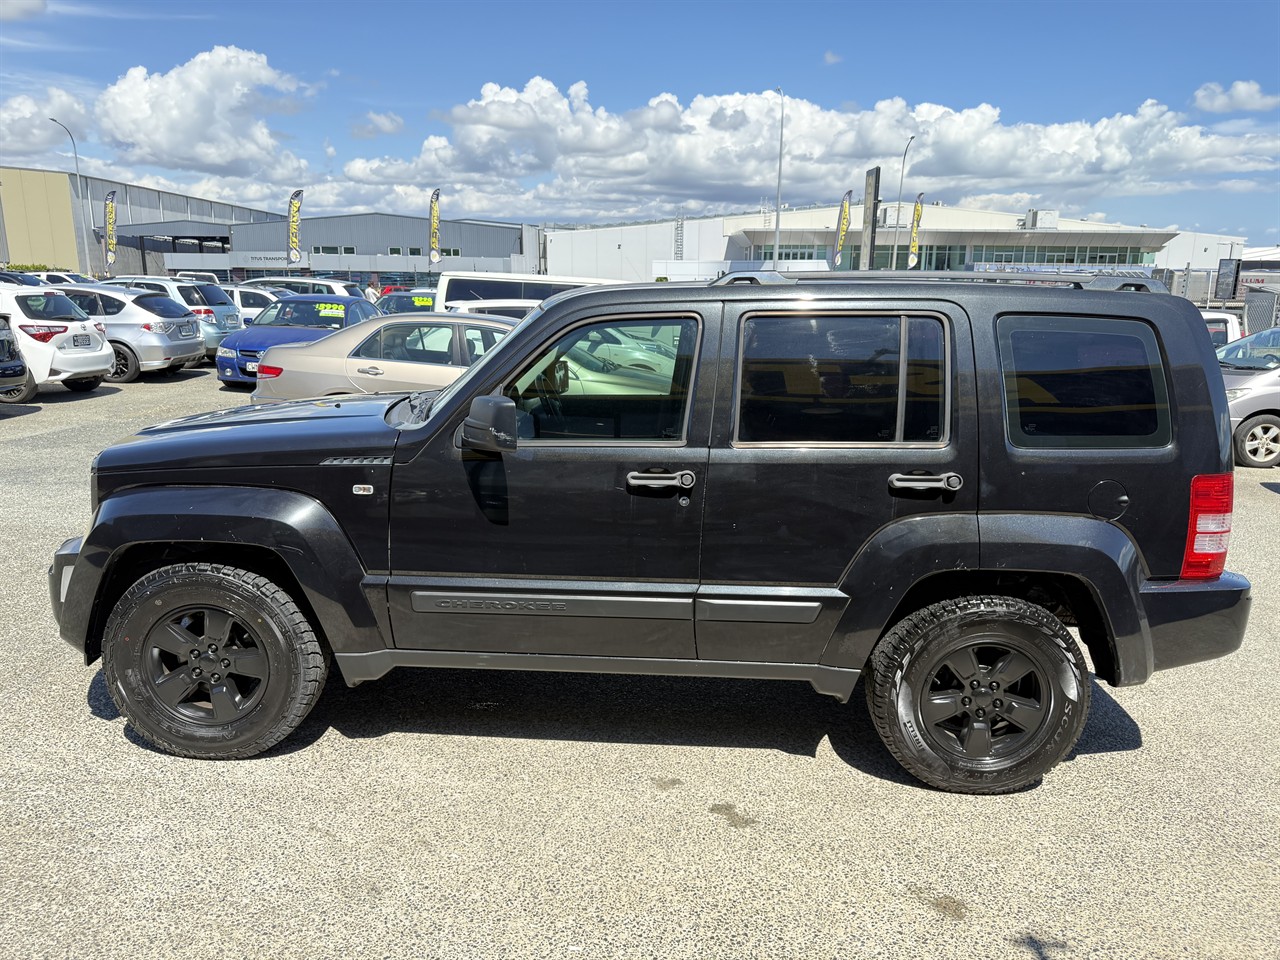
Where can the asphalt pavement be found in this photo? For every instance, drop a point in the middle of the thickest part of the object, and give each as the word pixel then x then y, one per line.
pixel 481 814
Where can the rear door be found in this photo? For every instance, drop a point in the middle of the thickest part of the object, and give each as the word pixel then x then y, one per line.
pixel 837 420
pixel 412 355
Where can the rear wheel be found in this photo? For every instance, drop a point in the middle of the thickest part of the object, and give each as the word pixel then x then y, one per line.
pixel 1257 441
pixel 23 394
pixel 978 695
pixel 211 661
pixel 124 368
pixel 83 384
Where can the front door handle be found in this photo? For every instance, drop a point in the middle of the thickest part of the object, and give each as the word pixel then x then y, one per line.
pixel 371 371
pixel 684 479
pixel 908 481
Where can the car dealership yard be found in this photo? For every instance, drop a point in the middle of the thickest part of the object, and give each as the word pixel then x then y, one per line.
pixel 456 814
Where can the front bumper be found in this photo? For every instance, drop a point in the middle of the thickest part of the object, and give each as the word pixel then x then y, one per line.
pixel 1195 620
pixel 60 571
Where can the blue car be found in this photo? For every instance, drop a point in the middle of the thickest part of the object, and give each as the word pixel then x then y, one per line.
pixel 293 320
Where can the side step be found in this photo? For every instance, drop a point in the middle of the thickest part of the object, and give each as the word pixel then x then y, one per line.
pixel 835 682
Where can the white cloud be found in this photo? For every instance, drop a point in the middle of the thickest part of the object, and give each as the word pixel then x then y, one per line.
pixel 203 115
pixel 543 153
pixel 830 58
pixel 25 127
pixel 1243 95
pixel 21 9
pixel 378 123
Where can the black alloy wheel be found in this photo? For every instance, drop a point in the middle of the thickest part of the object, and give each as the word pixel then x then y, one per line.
pixel 978 695
pixel 124 366
pixel 211 661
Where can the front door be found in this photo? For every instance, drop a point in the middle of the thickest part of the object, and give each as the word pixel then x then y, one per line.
pixel 584 540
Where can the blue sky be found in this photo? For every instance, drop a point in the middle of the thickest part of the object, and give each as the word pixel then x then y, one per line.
pixel 1156 113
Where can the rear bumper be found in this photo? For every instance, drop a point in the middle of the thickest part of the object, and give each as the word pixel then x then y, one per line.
pixel 1195 620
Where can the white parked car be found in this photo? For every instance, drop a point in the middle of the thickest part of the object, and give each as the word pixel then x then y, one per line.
pixel 63 276
pixel 250 300
pixel 58 340
pixel 308 285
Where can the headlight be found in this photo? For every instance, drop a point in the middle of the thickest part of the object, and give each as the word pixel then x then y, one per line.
pixel 227 352
pixel 1238 393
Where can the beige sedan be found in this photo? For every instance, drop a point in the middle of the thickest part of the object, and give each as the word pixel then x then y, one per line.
pixel 403 351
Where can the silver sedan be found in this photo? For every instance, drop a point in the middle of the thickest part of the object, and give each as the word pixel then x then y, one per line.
pixel 405 351
pixel 147 330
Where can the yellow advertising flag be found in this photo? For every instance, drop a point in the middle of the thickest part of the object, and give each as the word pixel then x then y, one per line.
pixel 295 212
pixel 842 227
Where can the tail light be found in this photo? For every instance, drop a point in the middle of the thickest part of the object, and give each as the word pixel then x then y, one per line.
pixel 41 332
pixel 1208 527
pixel 266 371
pixel 204 313
pixel 100 327
pixel 158 326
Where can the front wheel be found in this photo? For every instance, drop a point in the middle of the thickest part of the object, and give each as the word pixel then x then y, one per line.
pixel 978 695
pixel 83 384
pixel 1257 442
pixel 211 661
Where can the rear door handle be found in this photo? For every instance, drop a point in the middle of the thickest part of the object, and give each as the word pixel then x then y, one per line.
pixel 908 481
pixel 371 371
pixel 684 479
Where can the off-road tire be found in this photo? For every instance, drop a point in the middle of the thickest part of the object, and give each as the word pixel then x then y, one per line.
pixel 211 661
pixel 930 695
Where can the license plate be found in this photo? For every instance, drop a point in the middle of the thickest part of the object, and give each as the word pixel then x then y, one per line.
pixel 186 330
pixel 80 340
pixel 250 368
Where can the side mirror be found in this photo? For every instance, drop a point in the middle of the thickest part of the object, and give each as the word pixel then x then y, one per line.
pixel 490 425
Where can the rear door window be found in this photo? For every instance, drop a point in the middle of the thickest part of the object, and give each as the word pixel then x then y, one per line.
pixel 214 295
pixel 190 295
pixel 1083 382
pixel 162 306
pixel 842 379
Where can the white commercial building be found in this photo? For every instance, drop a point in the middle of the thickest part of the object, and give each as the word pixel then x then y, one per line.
pixel 950 238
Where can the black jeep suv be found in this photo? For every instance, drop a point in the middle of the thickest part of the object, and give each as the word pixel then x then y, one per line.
pixel 919 480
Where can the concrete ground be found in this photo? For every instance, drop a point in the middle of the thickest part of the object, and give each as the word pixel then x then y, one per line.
pixel 453 814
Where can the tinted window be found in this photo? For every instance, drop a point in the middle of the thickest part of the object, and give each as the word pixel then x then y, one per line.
pixel 214 295
pixel 478 341
pixel 353 290
pixel 1072 382
pixel 842 379
pixel 52 306
pixel 190 295
pixel 250 299
pixel 162 306
pixel 573 392
pixel 410 343
pixel 111 305
pixel 404 303
pixel 87 302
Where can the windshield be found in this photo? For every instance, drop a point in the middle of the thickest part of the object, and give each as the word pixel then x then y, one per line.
pixel 49 306
pixel 405 303
pixel 473 372
pixel 295 313
pixel 1258 351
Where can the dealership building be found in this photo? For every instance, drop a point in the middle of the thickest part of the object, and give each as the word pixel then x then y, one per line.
pixel 45 218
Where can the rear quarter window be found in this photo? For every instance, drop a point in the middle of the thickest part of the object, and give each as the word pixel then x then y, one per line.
pixel 162 306
pixel 1083 383
pixel 214 295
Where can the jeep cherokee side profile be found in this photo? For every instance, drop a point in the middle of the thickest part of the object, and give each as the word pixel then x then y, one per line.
pixel 922 481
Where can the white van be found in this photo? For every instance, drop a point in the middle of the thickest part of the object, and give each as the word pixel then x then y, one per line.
pixel 1223 327
pixel 456 290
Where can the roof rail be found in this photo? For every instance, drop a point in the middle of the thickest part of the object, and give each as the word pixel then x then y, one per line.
pixel 1080 281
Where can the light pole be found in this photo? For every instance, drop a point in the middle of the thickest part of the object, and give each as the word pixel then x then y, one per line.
pixel 897 217
pixel 84 235
pixel 777 206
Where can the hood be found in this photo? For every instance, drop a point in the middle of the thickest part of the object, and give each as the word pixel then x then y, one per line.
pixel 257 339
pixel 296 433
pixel 1234 379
